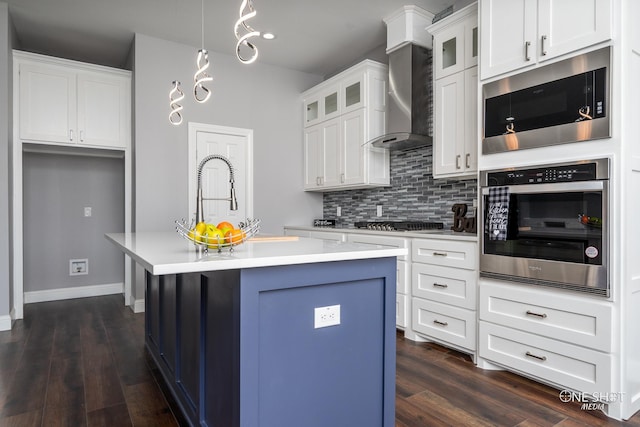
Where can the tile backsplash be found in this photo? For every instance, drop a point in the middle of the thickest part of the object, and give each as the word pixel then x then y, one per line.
pixel 413 195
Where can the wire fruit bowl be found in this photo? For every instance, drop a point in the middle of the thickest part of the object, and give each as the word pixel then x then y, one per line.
pixel 248 228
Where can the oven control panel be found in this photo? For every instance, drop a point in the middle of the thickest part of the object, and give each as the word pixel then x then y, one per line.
pixel 564 173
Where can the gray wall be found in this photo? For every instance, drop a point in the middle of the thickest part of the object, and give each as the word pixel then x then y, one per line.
pixel 258 96
pixel 413 195
pixel 6 293
pixel 56 188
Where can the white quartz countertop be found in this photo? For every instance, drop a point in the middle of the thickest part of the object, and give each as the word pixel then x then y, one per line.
pixel 168 253
pixel 425 234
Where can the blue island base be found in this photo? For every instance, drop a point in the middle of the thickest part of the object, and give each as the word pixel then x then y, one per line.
pixel 239 347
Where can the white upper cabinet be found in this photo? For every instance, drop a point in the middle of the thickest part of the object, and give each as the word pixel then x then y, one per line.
pixel 341 115
pixel 455 41
pixel 62 102
pixel 521 33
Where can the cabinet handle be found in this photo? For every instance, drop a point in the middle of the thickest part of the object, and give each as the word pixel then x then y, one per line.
pixel 342 178
pixel 81 136
pixel 437 322
pixel 543 51
pixel 526 51
pixel 439 254
pixel 534 314
pixel 458 161
pixel 535 356
pixel 440 285
pixel 317 180
pixel 70 134
pixel 466 160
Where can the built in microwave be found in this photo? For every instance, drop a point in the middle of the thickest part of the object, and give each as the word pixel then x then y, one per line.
pixel 547 225
pixel 567 101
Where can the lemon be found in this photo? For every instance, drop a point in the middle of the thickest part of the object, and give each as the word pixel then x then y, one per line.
pixel 198 231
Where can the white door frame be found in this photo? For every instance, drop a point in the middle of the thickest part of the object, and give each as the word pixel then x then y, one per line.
pixel 194 128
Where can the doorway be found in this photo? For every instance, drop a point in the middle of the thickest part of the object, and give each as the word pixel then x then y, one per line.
pixel 237 145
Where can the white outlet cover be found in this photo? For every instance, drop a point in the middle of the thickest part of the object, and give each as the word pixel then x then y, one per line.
pixel 326 316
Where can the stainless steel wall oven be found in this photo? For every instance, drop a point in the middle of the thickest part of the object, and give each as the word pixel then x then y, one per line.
pixel 547 225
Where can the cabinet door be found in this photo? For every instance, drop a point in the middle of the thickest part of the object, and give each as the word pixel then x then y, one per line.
pixel 471 136
pixel 568 25
pixel 448 124
pixel 312 157
pixel 312 109
pixel 508 35
pixel 103 110
pixel 352 88
pixel 330 103
pixel 471 42
pixel 330 146
pixel 449 51
pixel 47 104
pixel 352 151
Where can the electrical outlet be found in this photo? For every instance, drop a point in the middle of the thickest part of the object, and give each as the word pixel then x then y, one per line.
pixel 87 211
pixel 78 267
pixel 338 211
pixel 379 210
pixel 326 316
pixel 475 203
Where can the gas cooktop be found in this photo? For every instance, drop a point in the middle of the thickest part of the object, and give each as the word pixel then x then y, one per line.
pixel 399 225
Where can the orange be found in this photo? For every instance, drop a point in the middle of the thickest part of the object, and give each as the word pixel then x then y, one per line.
pixel 225 224
pixel 234 236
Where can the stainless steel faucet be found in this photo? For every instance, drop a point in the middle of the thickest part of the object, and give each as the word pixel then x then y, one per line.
pixel 232 196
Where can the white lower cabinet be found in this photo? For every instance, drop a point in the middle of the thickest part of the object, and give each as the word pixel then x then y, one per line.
pixel 444 323
pixel 561 364
pixel 563 339
pixel 443 286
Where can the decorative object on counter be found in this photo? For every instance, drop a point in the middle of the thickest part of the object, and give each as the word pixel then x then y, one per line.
pixel 460 221
pixel 243 40
pixel 208 236
pixel 324 222
pixel 175 117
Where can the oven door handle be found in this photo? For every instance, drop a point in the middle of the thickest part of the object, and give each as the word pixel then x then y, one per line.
pixel 560 187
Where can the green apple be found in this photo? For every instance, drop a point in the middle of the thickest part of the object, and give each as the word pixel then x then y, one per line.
pixel 214 237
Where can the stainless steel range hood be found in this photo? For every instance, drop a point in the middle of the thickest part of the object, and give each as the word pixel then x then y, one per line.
pixel 410 95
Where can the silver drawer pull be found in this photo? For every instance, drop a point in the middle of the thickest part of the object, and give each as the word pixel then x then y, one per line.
pixel 437 322
pixel 542 358
pixel 531 313
pixel 440 285
pixel 439 254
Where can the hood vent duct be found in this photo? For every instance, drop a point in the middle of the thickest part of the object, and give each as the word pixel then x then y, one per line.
pixel 410 99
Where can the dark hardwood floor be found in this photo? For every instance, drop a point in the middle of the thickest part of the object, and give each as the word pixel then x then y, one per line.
pixel 82 363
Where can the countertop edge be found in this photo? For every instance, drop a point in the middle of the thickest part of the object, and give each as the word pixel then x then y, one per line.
pixel 435 234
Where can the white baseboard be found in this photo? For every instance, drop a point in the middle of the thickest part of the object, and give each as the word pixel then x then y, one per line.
pixel 138 306
pixel 71 293
pixel 5 323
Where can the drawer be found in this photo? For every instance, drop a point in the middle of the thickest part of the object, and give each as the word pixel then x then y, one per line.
pixel 388 241
pixel 444 284
pixel 446 253
pixel 444 322
pixel 551 313
pixel 402 277
pixel 562 364
pixel 401 310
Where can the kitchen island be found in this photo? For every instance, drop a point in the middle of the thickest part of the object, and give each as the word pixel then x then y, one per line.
pixel 237 341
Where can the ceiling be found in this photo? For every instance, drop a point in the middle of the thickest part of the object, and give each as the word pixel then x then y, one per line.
pixel 314 36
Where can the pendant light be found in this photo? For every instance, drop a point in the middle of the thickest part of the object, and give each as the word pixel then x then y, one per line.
pixel 200 92
pixel 243 40
pixel 175 97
